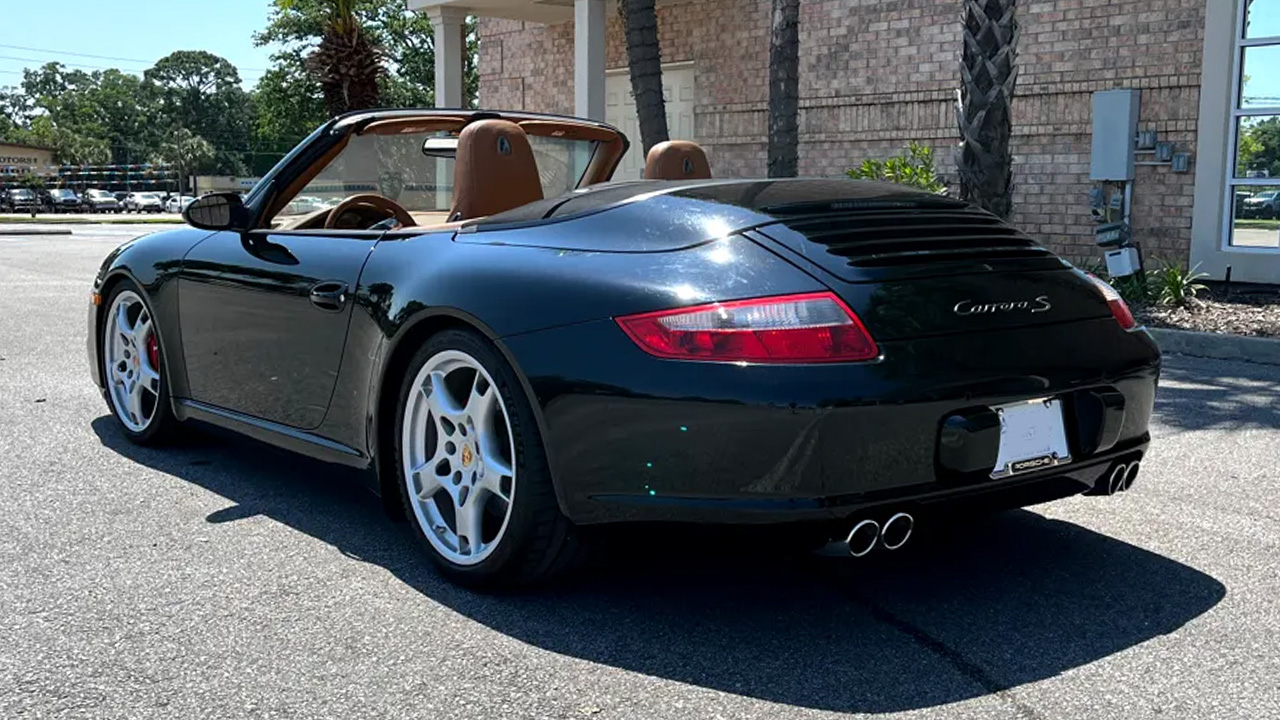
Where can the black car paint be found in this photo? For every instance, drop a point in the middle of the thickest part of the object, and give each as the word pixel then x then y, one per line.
pixel 629 436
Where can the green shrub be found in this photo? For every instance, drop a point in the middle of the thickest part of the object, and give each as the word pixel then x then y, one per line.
pixel 1174 286
pixel 913 168
pixel 1132 288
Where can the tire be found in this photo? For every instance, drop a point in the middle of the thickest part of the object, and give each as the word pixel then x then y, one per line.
pixel 534 541
pixel 160 424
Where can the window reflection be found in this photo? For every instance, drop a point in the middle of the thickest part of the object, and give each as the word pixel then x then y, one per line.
pixel 1259 82
pixel 1258 146
pixel 1256 216
pixel 1262 18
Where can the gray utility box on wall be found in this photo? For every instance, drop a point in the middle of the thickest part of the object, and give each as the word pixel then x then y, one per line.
pixel 1115 125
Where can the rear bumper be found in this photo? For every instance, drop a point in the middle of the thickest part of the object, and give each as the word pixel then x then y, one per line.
pixel 923 500
pixel 634 438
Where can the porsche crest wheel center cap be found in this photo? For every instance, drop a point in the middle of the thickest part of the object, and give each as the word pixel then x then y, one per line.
pixel 467 456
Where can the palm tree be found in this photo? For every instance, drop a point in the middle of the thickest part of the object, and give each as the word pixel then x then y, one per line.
pixel 644 59
pixel 346 62
pixel 988 75
pixel 187 152
pixel 784 89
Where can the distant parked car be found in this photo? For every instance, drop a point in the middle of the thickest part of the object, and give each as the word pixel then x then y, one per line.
pixel 177 203
pixel 305 204
pixel 101 201
pixel 65 200
pixel 143 202
pixel 1265 205
pixel 20 200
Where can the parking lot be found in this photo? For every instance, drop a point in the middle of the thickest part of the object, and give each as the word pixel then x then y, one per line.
pixel 219 578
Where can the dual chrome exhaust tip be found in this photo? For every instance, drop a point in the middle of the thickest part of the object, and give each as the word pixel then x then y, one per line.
pixel 1122 477
pixel 868 534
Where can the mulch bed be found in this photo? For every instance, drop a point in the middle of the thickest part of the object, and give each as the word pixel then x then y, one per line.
pixel 1252 311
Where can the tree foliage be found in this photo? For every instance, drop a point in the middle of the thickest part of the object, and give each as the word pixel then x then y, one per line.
pixel 404 38
pixel 195 99
pixel 189 152
pixel 914 168
pixel 1259 147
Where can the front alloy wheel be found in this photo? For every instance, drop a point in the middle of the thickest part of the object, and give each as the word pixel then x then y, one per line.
pixel 131 356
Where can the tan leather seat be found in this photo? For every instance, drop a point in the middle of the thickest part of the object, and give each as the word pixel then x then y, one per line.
pixel 676 160
pixel 494 171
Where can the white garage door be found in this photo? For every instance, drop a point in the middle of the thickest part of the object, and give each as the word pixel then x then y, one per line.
pixel 620 111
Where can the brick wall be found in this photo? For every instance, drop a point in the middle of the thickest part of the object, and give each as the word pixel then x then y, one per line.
pixel 875 75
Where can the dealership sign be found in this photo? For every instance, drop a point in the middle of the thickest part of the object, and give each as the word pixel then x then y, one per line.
pixel 16 160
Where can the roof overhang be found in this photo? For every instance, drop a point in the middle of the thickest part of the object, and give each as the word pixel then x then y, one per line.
pixel 539 11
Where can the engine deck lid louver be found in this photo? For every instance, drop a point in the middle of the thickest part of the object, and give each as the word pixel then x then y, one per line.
pixel 880 242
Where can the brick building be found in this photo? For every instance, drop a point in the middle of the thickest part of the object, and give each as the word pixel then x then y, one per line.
pixel 876 74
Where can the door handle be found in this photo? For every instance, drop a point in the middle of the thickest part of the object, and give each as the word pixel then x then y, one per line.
pixel 330 296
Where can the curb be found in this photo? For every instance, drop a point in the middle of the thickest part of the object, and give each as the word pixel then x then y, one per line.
pixel 1217 346
pixel 4 231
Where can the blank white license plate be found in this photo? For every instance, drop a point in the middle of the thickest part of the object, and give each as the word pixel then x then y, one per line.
pixel 1032 437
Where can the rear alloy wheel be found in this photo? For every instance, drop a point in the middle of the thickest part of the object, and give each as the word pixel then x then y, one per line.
pixel 136 389
pixel 473 473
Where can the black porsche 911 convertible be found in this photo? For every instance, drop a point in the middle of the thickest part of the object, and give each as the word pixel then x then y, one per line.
pixel 516 348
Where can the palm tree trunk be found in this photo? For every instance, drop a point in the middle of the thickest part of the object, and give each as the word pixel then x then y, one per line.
pixel 988 75
pixel 784 89
pixel 644 58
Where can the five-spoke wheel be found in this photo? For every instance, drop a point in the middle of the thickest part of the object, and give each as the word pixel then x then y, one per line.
pixel 132 361
pixel 472 468
pixel 132 366
pixel 458 455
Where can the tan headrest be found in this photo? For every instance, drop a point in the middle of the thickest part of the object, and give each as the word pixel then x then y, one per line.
pixel 676 160
pixel 494 170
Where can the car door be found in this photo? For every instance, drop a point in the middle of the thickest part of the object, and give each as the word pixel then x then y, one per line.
pixel 264 319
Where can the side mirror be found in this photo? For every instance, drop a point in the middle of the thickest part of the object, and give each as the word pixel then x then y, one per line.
pixel 218 211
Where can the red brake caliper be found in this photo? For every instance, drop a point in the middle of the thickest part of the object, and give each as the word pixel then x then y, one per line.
pixel 153 351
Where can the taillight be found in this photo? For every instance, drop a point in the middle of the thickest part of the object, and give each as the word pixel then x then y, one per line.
pixel 1119 309
pixel 810 328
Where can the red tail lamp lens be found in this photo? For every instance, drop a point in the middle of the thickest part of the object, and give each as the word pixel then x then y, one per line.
pixel 810 328
pixel 1119 308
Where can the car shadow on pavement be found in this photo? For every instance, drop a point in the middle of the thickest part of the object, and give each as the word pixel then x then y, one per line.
pixel 1200 394
pixel 1014 599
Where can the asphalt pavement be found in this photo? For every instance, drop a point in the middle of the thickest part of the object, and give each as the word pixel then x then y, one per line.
pixel 222 579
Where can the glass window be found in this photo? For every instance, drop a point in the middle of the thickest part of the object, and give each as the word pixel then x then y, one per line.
pixel 395 167
pixel 1258 146
pixel 392 166
pixel 1255 219
pixel 1262 18
pixel 1259 79
pixel 1253 190
pixel 561 162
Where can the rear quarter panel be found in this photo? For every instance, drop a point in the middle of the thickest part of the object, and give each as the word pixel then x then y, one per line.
pixel 509 291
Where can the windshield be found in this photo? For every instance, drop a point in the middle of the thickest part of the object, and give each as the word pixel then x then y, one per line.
pixel 62 193
pixel 149 196
pixel 395 167
pixel 21 193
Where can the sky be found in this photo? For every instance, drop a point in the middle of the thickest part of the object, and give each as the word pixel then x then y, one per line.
pixel 133 33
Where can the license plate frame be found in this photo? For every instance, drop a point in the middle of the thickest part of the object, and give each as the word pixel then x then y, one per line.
pixel 1033 436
